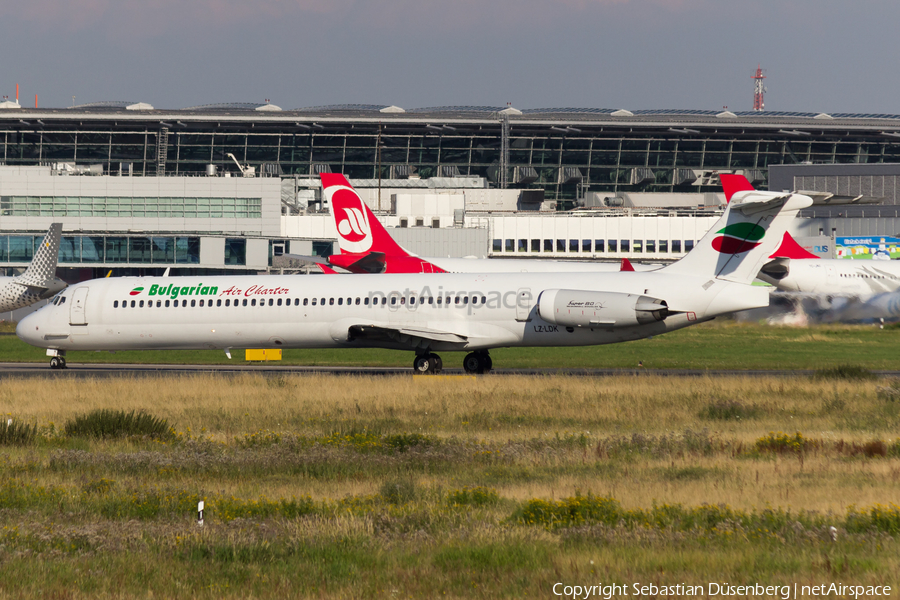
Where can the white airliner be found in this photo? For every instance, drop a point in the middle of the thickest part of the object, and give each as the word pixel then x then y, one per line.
pixel 834 289
pixel 425 313
pixel 795 270
pixel 39 281
pixel 367 247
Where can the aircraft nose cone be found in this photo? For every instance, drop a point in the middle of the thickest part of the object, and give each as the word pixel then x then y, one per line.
pixel 28 330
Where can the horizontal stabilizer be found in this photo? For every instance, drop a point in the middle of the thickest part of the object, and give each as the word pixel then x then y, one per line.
pixel 752 204
pixel 829 199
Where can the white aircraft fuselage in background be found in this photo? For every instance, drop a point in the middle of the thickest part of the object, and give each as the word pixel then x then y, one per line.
pixel 838 277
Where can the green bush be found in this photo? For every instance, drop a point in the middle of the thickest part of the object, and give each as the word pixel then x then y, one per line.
pixel 729 410
pixel 474 496
pixel 399 491
pixel 16 433
pixel 107 423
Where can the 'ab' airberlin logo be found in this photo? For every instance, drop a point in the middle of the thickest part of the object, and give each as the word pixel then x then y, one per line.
pixel 738 237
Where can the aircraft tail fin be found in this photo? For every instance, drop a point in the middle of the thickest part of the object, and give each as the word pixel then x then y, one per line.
pixel 789 248
pixel 732 184
pixel 626 265
pixel 42 270
pixel 740 243
pixel 359 230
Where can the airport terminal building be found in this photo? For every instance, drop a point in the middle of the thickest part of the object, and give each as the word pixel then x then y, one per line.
pixel 231 187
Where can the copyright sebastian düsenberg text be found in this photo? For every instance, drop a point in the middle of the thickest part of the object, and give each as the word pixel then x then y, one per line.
pixel 606 591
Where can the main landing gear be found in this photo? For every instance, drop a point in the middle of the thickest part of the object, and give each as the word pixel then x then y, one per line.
pixel 427 363
pixel 478 362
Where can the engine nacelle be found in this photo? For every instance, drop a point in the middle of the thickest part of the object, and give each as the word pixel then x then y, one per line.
pixel 581 308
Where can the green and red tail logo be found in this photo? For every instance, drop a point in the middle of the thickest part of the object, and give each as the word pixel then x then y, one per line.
pixel 136 291
pixel 738 237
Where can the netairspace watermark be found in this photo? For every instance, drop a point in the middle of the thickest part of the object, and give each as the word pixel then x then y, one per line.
pixel 607 591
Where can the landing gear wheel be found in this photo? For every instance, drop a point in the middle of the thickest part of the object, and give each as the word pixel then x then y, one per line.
pixel 477 363
pixel 473 364
pixel 423 363
pixel 55 363
pixel 427 363
pixel 62 363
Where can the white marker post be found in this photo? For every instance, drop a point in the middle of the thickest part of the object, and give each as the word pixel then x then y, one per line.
pixel 200 513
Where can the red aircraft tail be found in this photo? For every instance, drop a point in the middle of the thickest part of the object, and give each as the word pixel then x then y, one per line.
pixel 359 231
pixel 789 248
pixel 732 184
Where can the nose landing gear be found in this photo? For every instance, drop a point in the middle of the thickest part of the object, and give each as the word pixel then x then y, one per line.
pixel 58 362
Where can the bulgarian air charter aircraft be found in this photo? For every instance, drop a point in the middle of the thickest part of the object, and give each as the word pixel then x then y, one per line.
pixel 39 280
pixel 367 247
pixel 425 313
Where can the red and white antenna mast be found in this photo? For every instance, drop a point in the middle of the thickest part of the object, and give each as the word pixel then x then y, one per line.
pixel 758 92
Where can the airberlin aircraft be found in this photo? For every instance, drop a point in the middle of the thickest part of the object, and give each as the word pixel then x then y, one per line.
pixel 367 247
pixel 425 313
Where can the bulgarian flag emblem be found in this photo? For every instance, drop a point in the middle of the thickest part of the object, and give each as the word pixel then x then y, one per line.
pixel 136 291
pixel 738 237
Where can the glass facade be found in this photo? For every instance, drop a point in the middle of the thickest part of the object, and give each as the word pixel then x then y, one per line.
pixel 80 249
pixel 103 206
pixel 566 153
pixel 235 251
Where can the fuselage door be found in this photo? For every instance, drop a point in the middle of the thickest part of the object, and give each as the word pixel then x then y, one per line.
pixel 76 310
pixel 523 304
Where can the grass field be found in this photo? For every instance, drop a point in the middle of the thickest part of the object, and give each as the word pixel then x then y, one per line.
pixel 501 486
pixel 716 345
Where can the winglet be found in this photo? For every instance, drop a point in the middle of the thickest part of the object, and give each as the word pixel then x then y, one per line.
pixel 789 248
pixel 732 184
pixel 626 265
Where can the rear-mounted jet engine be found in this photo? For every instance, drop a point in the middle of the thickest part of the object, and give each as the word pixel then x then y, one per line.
pixel 579 308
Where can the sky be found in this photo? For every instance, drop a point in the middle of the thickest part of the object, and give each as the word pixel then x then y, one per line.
pixel 818 55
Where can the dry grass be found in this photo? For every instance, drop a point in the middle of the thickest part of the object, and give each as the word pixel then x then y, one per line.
pixel 642 440
pixel 496 407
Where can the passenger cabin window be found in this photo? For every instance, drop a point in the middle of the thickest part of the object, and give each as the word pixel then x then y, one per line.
pixel 167 304
pixel 115 303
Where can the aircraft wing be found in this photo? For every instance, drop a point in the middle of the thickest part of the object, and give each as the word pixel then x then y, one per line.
pixel 373 262
pixel 412 336
pixel 319 260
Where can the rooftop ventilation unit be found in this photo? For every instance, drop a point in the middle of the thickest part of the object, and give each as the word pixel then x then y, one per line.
pixel 642 175
pixel 402 171
pixel 755 176
pixel 319 168
pixel 270 170
pixel 685 176
pixel 448 171
pixel 569 175
pixel 524 175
